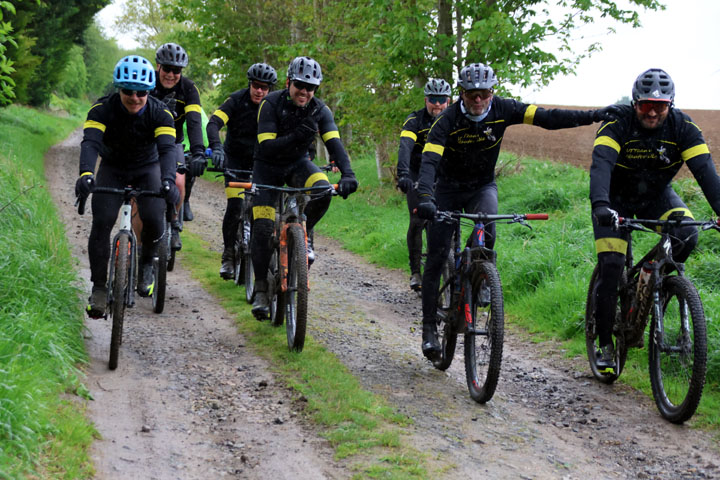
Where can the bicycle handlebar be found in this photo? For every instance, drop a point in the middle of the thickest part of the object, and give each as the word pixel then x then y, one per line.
pixel 488 217
pixel 253 186
pixel 127 192
pixel 643 223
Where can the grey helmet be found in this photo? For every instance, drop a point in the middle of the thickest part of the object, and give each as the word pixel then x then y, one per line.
pixel 171 54
pixel 262 72
pixel 477 76
pixel 305 69
pixel 437 86
pixel 653 84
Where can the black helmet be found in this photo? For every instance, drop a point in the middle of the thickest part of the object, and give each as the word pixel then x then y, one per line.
pixel 305 69
pixel 262 72
pixel 653 84
pixel 437 87
pixel 477 76
pixel 171 54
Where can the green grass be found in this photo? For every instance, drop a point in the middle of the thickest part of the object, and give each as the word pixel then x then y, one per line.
pixel 544 271
pixel 361 426
pixel 42 432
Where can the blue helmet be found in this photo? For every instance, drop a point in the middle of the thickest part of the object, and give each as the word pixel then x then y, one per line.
pixel 134 73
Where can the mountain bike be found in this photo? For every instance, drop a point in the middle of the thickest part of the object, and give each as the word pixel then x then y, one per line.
pixel 288 282
pixel 242 258
pixel 123 265
pixel 470 302
pixel 656 288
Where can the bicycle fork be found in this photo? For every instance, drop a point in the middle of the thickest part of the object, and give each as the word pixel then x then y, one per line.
pixel 125 226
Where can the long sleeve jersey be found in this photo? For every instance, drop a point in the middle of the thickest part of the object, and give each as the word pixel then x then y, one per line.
pixel 463 153
pixel 187 109
pixel 632 166
pixel 239 113
pixel 126 140
pixel 277 120
pixel 412 141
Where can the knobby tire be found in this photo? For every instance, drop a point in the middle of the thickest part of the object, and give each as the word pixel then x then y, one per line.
pixel 447 327
pixel 297 294
pixel 275 295
pixel 119 290
pixel 160 264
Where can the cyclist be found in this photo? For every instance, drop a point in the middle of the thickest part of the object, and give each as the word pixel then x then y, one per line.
pixel 412 141
pixel 183 100
pixel 135 136
pixel 461 151
pixel 239 112
pixel 634 160
pixel 288 121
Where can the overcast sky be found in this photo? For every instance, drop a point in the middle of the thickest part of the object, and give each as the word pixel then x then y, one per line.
pixel 684 40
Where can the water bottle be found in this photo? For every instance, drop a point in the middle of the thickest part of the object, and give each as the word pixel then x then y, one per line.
pixel 643 279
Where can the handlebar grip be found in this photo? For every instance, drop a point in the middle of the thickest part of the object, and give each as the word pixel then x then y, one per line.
pixel 80 204
pixel 537 216
pixel 245 185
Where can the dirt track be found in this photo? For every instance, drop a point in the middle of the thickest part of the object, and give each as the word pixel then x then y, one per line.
pixel 190 400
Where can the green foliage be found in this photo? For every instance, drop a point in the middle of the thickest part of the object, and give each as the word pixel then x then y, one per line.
pixel 41 341
pixel 100 55
pixel 7 85
pixel 73 82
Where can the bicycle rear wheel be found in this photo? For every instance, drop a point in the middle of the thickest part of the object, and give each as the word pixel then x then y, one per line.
pixel 160 266
pixel 447 329
pixel 485 331
pixel 592 345
pixel 275 295
pixel 119 288
pixel 296 297
pixel 678 350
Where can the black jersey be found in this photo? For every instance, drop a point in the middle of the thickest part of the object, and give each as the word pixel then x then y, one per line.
pixel 128 141
pixel 239 113
pixel 277 120
pixel 632 166
pixel 463 153
pixel 412 141
pixel 188 109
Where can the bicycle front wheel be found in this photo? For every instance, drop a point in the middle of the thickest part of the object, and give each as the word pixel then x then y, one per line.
pixel 485 331
pixel 296 297
pixel 160 266
pixel 678 350
pixel 447 328
pixel 121 258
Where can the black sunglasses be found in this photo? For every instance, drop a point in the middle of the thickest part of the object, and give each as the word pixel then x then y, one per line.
pixel 304 86
pixel 130 93
pixel 438 99
pixel 171 69
pixel 260 86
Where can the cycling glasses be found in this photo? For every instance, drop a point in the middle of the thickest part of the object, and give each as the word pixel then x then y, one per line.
pixel 658 107
pixel 171 69
pixel 439 99
pixel 260 86
pixel 483 94
pixel 304 86
pixel 130 93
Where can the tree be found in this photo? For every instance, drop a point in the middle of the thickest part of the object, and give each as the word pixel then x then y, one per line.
pixel 7 85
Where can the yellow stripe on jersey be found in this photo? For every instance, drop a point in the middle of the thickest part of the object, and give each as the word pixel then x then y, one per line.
pixel 530 114
pixel 330 135
pixel 165 131
pixel 608 142
pixel 432 148
pixel 94 124
pixel 695 151
pixel 193 108
pixel 263 211
pixel 617 245
pixel 221 115
pixel 409 134
pixel 266 136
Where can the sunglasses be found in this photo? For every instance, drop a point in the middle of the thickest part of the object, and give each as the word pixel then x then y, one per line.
pixel 260 86
pixel 138 93
pixel 171 69
pixel 658 107
pixel 482 94
pixel 437 99
pixel 304 86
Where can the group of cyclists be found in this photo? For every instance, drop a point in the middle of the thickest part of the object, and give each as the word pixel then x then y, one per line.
pixel 447 155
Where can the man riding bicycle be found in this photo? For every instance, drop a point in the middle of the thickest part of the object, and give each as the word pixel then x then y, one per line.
pixel 462 149
pixel 288 122
pixel 634 160
pixel 412 141
pixel 239 112
pixel 135 136
pixel 183 101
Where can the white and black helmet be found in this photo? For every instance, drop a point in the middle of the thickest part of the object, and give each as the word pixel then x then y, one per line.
pixel 171 54
pixel 262 72
pixel 305 69
pixel 437 86
pixel 653 84
pixel 477 76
